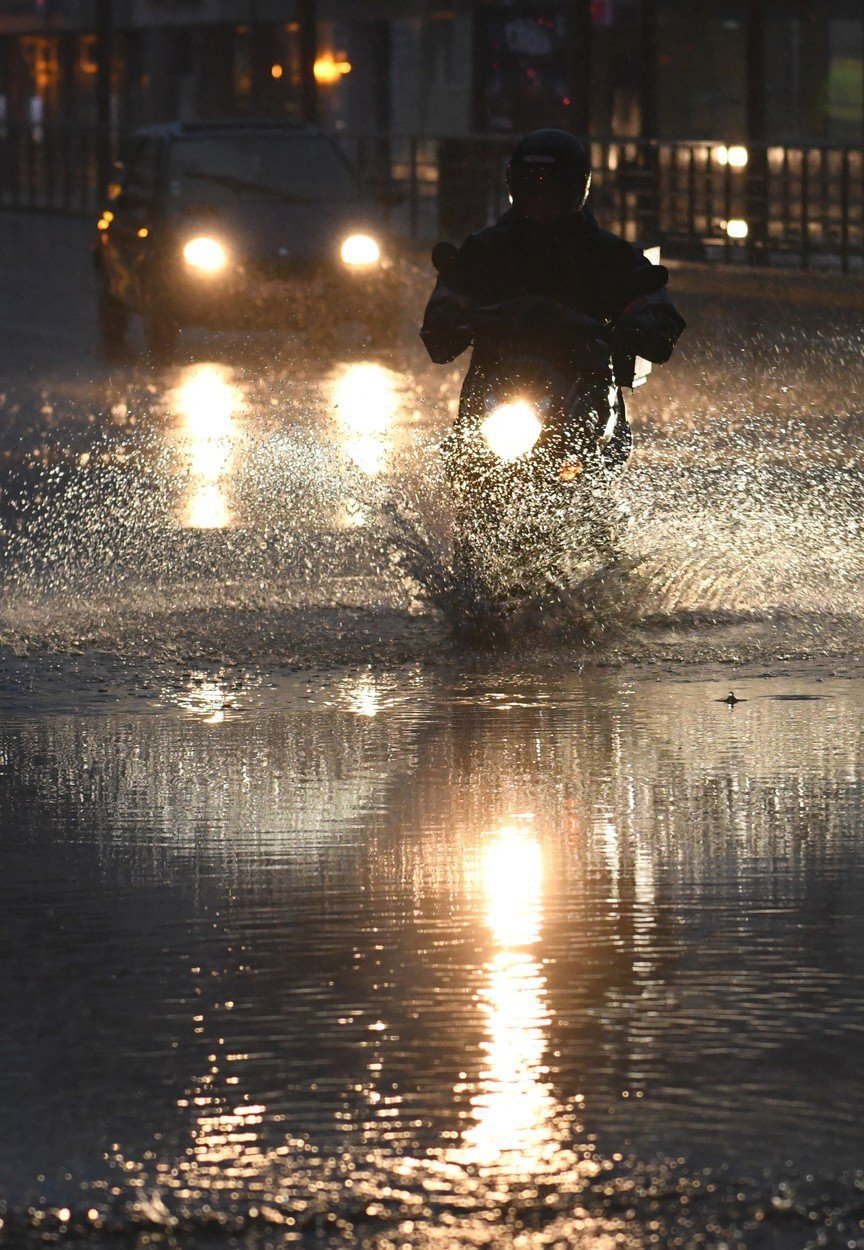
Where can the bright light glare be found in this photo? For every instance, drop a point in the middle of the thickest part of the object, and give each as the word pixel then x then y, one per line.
pixel 360 249
pixel 513 1109
pixel 737 228
pixel 207 255
pixel 366 399
pixel 512 430
pixel 364 698
pixel 206 401
pixel 736 157
pixel 208 509
pixel 206 699
pixel 328 69
pixel 513 884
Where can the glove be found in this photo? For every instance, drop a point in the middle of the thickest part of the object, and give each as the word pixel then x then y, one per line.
pixel 445 330
pixel 532 321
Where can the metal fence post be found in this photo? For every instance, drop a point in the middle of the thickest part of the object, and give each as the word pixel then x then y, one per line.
pixel 805 208
pixel 757 165
pixel 104 40
pixel 844 210
pixel 413 206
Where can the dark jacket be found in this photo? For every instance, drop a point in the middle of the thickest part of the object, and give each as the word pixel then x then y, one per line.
pixel 549 281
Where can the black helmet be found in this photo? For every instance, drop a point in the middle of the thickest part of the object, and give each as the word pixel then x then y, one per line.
pixel 549 173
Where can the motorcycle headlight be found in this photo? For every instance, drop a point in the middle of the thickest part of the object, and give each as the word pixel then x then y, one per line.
pixel 359 251
pixel 205 255
pixel 512 430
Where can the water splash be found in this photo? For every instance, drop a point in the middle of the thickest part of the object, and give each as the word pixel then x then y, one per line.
pixel 322 527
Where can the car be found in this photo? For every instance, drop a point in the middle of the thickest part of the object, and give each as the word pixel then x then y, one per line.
pixel 236 225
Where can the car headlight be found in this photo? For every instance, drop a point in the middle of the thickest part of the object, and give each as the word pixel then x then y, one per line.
pixel 205 255
pixel 512 430
pixel 359 251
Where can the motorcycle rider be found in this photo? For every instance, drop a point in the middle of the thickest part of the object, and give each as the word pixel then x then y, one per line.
pixel 547 280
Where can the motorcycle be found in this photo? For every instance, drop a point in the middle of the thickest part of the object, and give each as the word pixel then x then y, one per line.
pixel 536 451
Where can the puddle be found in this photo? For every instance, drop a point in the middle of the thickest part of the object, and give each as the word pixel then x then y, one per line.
pixel 375 957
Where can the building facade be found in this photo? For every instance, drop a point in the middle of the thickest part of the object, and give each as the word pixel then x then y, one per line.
pixel 782 71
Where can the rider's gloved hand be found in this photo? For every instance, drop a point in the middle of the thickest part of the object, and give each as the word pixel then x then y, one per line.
pixel 532 322
pixel 446 330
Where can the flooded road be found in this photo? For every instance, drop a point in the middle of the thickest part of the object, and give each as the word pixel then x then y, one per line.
pixel 458 959
pixel 319 923
pixel 275 500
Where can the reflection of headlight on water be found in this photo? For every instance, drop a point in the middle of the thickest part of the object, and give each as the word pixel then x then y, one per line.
pixel 204 254
pixel 512 871
pixel 366 399
pixel 208 509
pixel 364 699
pixel 512 430
pixel 359 250
pixel 513 1107
pixel 206 699
pixel 206 401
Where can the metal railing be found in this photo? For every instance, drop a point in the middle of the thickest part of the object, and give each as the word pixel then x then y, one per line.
pixel 50 168
pixel 775 205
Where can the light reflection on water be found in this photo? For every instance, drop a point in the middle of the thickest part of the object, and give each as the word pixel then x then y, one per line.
pixel 205 698
pixel 364 697
pixel 207 402
pixel 514 1108
pixel 395 940
pixel 365 397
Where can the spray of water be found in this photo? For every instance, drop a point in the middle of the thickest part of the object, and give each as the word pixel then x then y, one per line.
pixel 244 514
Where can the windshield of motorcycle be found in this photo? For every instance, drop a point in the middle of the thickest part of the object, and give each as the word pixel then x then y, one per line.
pixel 294 169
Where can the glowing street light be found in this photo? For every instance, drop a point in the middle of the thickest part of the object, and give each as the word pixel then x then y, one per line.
pixel 736 157
pixel 329 69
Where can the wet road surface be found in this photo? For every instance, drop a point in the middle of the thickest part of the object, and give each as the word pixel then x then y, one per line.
pixel 319 924
pixel 272 499
pixel 456 959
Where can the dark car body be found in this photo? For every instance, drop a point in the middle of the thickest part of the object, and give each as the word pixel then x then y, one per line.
pixel 278 198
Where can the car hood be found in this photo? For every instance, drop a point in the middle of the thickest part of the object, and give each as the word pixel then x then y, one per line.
pixel 301 232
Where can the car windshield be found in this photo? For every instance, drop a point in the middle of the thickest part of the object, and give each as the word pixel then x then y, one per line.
pixel 295 169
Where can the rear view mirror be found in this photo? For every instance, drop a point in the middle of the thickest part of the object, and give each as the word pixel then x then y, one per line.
pixel 648 280
pixel 444 256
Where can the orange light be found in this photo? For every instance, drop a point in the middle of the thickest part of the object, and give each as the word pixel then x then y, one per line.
pixel 328 70
pixel 143 232
pixel 570 470
pixel 276 71
pixel 102 224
